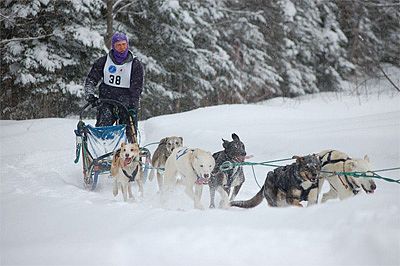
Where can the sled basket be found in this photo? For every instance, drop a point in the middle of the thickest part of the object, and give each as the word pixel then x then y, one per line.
pixel 97 146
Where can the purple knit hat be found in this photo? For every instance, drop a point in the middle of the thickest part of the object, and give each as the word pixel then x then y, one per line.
pixel 117 37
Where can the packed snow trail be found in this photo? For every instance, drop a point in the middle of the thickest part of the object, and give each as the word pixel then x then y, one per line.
pixel 48 218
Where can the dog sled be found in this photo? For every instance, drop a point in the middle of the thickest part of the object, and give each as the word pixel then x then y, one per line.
pixel 96 145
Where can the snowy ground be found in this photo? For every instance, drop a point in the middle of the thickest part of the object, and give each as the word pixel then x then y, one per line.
pixel 48 218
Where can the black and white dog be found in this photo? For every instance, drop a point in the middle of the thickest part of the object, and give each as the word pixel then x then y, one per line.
pixel 228 183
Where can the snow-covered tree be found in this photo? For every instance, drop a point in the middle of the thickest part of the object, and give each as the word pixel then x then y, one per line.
pixel 196 53
pixel 46 48
pixel 373 30
pixel 315 58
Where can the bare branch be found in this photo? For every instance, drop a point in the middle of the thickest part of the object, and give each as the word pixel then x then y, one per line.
pixel 116 4
pixel 5 17
pixel 26 39
pixel 123 7
pixel 387 77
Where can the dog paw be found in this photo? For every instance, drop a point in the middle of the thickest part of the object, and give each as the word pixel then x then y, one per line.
pixel 224 205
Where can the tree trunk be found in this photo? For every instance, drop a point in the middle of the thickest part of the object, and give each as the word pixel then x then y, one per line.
pixel 109 33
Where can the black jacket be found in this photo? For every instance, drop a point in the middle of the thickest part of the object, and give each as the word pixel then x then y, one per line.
pixel 130 97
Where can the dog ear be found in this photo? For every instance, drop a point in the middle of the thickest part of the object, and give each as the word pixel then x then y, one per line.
pixel 225 143
pixel 181 140
pixel 235 137
pixel 299 159
pixel 164 141
pixel 366 158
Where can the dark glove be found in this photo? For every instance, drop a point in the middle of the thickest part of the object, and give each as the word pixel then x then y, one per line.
pixel 92 100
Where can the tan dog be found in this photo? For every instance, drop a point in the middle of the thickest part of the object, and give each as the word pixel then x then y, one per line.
pixel 343 186
pixel 126 168
pixel 163 151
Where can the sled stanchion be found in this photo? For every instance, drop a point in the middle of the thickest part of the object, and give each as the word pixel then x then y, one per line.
pixel 78 152
pixel 95 179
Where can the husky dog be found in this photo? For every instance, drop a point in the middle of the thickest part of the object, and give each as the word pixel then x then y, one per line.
pixel 227 182
pixel 163 151
pixel 343 186
pixel 287 185
pixel 126 168
pixel 194 166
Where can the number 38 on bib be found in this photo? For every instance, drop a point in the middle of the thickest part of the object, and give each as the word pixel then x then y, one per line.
pixel 117 75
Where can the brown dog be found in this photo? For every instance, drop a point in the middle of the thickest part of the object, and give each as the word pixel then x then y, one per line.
pixel 160 156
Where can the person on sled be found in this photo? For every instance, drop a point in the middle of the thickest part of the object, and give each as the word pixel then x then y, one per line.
pixel 121 77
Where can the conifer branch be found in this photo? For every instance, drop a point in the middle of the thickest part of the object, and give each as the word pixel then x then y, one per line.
pixel 25 39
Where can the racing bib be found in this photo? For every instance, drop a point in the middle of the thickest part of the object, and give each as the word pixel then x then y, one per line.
pixel 117 75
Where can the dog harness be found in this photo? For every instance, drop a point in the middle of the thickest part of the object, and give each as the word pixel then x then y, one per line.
pixel 330 161
pixel 354 187
pixel 182 152
pixel 131 177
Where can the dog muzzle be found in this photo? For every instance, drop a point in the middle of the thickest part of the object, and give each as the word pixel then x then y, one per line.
pixel 203 180
pixel 127 161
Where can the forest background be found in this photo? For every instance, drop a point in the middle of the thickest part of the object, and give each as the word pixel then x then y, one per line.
pixel 195 53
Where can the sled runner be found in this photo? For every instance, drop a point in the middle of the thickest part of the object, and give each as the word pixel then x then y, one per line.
pixel 98 144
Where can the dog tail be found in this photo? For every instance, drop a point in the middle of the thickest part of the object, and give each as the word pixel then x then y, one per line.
pixel 251 203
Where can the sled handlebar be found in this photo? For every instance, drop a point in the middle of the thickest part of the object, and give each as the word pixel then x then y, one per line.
pixel 100 101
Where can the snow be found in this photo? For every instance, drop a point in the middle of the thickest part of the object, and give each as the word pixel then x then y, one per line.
pixel 289 9
pixel 48 218
pixel 88 37
pixel 170 5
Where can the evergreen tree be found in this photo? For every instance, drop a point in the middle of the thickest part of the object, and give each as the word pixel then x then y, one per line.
pixel 46 48
pixel 315 58
pixel 196 53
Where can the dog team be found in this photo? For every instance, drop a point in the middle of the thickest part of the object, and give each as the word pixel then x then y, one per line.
pixel 289 185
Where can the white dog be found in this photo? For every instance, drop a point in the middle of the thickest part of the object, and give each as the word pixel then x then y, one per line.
pixel 343 186
pixel 126 168
pixel 194 166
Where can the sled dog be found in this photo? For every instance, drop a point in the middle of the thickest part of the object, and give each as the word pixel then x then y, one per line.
pixel 287 185
pixel 194 166
pixel 126 168
pixel 343 186
pixel 228 183
pixel 163 151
